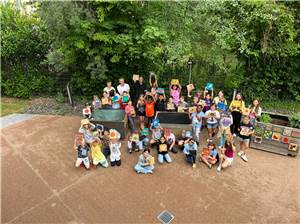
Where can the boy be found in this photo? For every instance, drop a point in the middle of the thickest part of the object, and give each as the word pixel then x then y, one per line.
pixel 190 150
pixel 82 154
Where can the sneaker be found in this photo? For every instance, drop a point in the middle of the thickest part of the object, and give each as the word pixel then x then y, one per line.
pixel 220 147
pixel 219 168
pixel 240 153
pixel 194 165
pixel 244 157
pixel 209 166
pixel 150 172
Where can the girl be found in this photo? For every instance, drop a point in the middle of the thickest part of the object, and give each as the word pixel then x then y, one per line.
pixel 105 100
pixel 156 134
pixel 210 156
pixel 134 143
pixel 145 163
pixel 175 93
pixel 226 157
pixel 125 98
pixel 141 108
pixel 224 128
pixel 144 132
pixel 115 100
pixel 115 147
pixel 245 131
pixel 212 116
pixel 109 89
pixel 190 150
pixel 255 113
pixel 97 155
pixel 130 112
pixel 182 104
pixel 197 122
pixel 163 149
pixel 170 138
pixel 87 129
pixel 236 107
pixel 96 102
pixel 199 94
pixel 149 108
pixel 220 98
pixel 208 102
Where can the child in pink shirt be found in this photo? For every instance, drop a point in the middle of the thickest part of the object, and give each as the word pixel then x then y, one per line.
pixel 175 93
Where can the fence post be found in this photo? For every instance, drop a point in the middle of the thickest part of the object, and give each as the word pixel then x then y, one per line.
pixel 69 94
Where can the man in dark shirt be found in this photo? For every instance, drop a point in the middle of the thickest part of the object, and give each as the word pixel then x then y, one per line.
pixel 138 88
pixel 160 104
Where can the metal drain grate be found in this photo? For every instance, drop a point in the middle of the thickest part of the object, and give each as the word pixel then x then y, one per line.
pixel 166 217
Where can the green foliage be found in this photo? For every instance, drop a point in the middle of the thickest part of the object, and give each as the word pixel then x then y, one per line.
pixel 265 118
pixel 294 120
pixel 281 106
pixel 60 98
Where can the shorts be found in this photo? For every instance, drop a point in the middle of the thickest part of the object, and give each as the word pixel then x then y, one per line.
pixel 245 140
pixel 212 125
pixel 84 160
pixel 230 160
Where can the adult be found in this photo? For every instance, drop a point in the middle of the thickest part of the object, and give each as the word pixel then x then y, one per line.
pixel 109 88
pixel 123 87
pixel 138 89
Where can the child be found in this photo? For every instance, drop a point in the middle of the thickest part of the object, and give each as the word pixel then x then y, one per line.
pixel 190 150
pixel 115 98
pixel 199 94
pixel 104 137
pixel 212 116
pixel 208 102
pixel 156 134
pixel 146 163
pixel 149 108
pixel 86 111
pixel 236 107
pixel 255 113
pixel 82 154
pixel 114 146
pixel 97 155
pixel 209 156
pixel 183 137
pixel 220 98
pixel 163 149
pixel 105 100
pixel 224 127
pixel 160 104
pixel 195 101
pixel 124 99
pixel 144 132
pixel 171 105
pixel 197 122
pixel 134 143
pixel 96 102
pixel 175 93
pixel 87 129
pixel 245 131
pixel 130 112
pixel 170 138
pixel 140 106
pixel 182 104
pixel 226 157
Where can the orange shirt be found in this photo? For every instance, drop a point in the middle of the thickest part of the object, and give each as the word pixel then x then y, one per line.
pixel 149 109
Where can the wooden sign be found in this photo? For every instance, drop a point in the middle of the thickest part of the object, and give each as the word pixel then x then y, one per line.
pixel 163 147
pixel 258 139
pixel 246 111
pixel 268 134
pixel 222 106
pixel 285 140
pixel 135 137
pixel 209 86
pixel 170 106
pixel 160 91
pixel 287 132
pixel 152 160
pixel 125 99
pixel 180 109
pixel 202 103
pixel 86 111
pixel 192 109
pixel 175 82
pixel 135 77
pixel 104 101
pixel 205 152
pixel 293 147
pixel 190 87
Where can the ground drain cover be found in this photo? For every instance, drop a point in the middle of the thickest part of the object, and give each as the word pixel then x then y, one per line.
pixel 166 217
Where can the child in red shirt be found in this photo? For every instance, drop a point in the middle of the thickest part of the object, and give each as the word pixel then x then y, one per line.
pixel 149 107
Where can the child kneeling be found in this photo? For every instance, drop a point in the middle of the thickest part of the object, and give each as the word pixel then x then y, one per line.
pixel 163 149
pixel 97 155
pixel 82 154
pixel 226 156
pixel 145 163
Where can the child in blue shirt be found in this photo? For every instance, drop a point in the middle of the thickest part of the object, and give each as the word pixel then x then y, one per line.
pixel 82 154
pixel 190 150
pixel 197 122
pixel 210 156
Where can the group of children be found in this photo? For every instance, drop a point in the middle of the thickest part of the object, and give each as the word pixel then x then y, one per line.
pixel 221 120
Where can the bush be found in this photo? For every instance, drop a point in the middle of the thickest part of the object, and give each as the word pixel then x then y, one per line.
pixel 265 118
pixel 294 120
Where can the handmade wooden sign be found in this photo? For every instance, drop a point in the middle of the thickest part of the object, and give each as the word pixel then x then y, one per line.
pixel 152 160
pixel 278 129
pixel 190 87
pixel 125 99
pixel 284 139
pixel 135 77
pixel 268 134
pixel 258 139
pixel 276 136
pixel 175 82
pixel 209 86
pixel 170 106
pixel 135 137
pixel 293 147
pixel 192 109
pixel 163 147
pixel 246 111
pixel 188 134
pixel 104 101
pixel 205 152
pixel 180 109
pixel 160 91
pixel 86 110
pixel 287 132
pixel 222 106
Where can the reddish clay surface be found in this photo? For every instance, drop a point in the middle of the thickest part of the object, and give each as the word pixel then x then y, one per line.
pixel 41 185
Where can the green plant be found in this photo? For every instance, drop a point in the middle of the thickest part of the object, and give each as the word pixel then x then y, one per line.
pixel 265 118
pixel 294 120
pixel 60 97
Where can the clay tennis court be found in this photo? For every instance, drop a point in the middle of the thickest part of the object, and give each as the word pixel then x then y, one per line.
pixel 41 185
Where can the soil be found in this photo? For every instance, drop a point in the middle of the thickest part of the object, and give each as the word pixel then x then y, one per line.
pixel 41 185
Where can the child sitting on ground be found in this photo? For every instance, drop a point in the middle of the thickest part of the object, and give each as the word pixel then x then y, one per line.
pixel 115 147
pixel 82 154
pixel 163 151
pixel 97 155
pixel 144 132
pixel 133 143
pixel 183 137
pixel 156 133
pixel 171 140
pixel 190 150
pixel 227 154
pixel 146 163
pixel 209 156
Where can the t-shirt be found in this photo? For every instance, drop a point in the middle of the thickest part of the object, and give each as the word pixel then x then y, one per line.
pixel 123 88
pixel 171 138
pixel 237 105
pixel 149 109
pixel 229 152
pixel 197 119
pixel 109 90
pixel 213 153
pixel 96 152
pixel 244 129
pixel 129 109
pixel 162 148
pixel 156 134
pixel 82 152
pixel 212 116
pixel 226 121
pixel 160 105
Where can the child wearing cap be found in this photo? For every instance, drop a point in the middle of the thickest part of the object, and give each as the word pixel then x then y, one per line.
pixel 87 129
pixel 145 163
pixel 190 150
pixel 115 147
